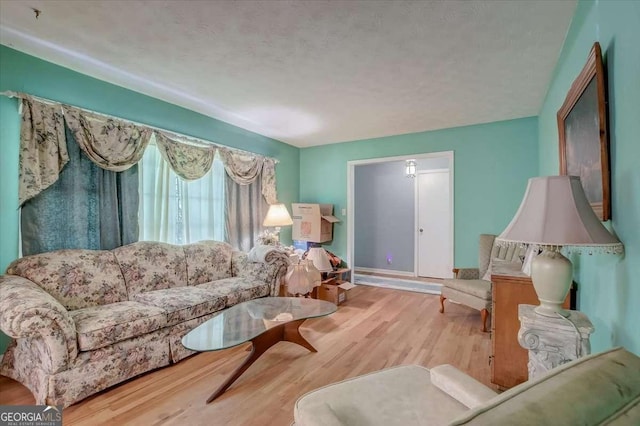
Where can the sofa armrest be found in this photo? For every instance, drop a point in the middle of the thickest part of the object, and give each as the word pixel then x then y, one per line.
pixel 460 386
pixel 466 273
pixel 27 311
pixel 271 271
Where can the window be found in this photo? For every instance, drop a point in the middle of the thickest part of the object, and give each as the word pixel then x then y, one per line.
pixel 176 211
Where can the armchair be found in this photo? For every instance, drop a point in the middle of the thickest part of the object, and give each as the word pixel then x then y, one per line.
pixel 472 286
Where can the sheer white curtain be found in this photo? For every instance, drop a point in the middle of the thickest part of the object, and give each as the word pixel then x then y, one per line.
pixel 176 211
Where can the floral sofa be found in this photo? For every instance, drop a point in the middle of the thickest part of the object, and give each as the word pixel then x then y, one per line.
pixel 84 320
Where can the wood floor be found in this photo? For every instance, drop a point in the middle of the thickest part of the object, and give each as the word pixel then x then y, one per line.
pixel 374 329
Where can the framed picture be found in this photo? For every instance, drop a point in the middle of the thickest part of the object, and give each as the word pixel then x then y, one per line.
pixel 582 128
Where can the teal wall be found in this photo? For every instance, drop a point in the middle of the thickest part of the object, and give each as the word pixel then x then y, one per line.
pixel 608 286
pixel 492 163
pixel 23 73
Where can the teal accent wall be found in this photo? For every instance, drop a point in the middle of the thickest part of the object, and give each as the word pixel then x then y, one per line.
pixel 492 163
pixel 23 73
pixel 608 286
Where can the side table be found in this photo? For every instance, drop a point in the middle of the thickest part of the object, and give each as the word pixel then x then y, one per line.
pixel 552 341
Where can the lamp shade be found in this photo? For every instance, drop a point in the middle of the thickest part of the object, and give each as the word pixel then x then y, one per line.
pixel 278 215
pixel 320 259
pixel 297 280
pixel 555 212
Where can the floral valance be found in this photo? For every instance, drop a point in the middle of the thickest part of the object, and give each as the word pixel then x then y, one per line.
pixel 269 181
pixel 116 145
pixel 112 144
pixel 43 148
pixel 190 162
pixel 244 168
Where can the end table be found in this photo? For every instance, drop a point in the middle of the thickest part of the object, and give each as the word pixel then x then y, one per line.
pixel 552 341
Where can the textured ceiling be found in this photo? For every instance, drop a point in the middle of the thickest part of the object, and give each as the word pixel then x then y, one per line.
pixel 310 73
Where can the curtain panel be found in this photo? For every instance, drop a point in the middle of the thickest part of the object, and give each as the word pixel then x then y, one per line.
pixel 176 211
pixel 86 208
pixel 269 181
pixel 245 210
pixel 43 148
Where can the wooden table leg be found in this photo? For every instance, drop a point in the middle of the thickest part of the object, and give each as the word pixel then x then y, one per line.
pixel 260 344
pixel 292 334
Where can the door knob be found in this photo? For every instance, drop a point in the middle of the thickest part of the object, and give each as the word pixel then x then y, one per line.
pixel 421 230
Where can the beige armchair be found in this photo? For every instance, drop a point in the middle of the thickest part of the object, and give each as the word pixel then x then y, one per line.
pixel 472 286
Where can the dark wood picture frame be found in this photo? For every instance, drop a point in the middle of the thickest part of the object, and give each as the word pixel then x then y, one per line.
pixel 582 129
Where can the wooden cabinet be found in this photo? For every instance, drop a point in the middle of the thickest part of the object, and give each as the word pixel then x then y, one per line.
pixel 508 359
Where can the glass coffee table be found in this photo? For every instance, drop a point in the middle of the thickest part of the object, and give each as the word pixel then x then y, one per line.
pixel 264 322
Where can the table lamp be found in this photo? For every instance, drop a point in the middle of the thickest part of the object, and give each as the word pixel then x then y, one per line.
pixel 277 216
pixel 555 213
pixel 320 259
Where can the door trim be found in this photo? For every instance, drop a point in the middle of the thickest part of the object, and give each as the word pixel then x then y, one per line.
pixel 416 251
pixel 350 198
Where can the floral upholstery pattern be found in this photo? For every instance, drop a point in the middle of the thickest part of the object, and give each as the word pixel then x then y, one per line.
pixel 102 368
pixel 30 312
pixel 25 361
pixel 75 278
pixel 207 261
pixel 101 326
pixel 177 332
pixel 270 272
pixel 84 320
pixel 237 289
pixel 149 266
pixel 181 303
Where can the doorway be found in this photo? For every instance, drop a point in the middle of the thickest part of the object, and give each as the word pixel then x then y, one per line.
pixel 416 254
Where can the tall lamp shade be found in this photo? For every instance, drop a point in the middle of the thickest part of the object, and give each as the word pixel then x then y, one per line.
pixel 277 216
pixel 554 213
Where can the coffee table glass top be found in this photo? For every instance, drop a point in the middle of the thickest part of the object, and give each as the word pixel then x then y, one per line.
pixel 244 321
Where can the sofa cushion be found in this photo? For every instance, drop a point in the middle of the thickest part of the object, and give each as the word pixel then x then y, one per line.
pixel 75 278
pixel 148 266
pixel 478 288
pixel 207 261
pixel 100 326
pixel 183 303
pixel 237 289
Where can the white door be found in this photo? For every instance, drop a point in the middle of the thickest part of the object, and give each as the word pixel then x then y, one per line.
pixel 435 245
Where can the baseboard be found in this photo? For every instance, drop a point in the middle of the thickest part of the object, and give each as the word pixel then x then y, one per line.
pixel 384 271
pixel 398 283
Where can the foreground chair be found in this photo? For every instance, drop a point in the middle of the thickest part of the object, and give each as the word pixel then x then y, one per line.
pixel 472 286
pixel 600 389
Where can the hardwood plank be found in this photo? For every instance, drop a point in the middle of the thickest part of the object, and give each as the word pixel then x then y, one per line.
pixel 376 328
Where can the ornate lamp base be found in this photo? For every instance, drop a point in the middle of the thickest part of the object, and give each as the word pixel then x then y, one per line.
pixel 552 341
